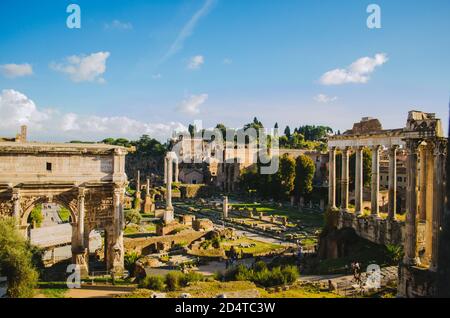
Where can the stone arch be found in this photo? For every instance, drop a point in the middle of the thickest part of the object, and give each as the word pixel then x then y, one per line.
pixel 28 203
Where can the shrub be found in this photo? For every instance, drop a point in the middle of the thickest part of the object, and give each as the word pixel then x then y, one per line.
pixel 261 275
pixel 153 283
pixel 130 260
pixel 215 242
pixel 243 273
pixel 260 266
pixel 290 274
pixel 173 280
pixel 190 277
pixel 132 216
pixel 36 216
pixel 394 253
pixel 16 261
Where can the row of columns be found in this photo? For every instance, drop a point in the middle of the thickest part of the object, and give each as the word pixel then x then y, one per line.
pixel 359 182
pixel 425 199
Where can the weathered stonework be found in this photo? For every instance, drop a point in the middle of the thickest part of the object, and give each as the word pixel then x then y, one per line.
pixel 372 229
pixel 87 179
pixel 426 153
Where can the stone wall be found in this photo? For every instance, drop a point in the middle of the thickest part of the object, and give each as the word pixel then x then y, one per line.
pixel 376 230
pixel 149 245
pixel 417 282
pixel 55 163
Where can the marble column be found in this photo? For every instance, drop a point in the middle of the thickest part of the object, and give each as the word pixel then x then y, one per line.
pixel 332 179
pixel 429 184
pixel 116 251
pixel 177 172
pixel 16 206
pixel 81 216
pixel 165 170
pixel 169 184
pixel 422 183
pixel 225 207
pixel 411 204
pixel 138 196
pixel 375 190
pixel 79 251
pixel 392 204
pixel 148 204
pixel 439 191
pixel 345 178
pixel 359 182
pixel 138 181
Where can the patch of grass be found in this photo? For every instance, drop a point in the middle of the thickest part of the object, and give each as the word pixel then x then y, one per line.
pixel 258 248
pixel 312 219
pixel 52 289
pixel 215 288
pixel 131 229
pixel 64 214
pixel 299 291
pixel 54 292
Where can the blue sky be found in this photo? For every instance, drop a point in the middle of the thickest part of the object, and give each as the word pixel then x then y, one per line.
pixel 153 66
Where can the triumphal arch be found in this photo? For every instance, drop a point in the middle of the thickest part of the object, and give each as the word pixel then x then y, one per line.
pixel 87 179
pixel 425 148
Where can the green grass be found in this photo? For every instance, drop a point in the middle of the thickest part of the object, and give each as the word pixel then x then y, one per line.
pixel 311 219
pixel 54 292
pixel 237 289
pixel 259 248
pixel 212 289
pixel 299 291
pixel 64 214
pixel 52 289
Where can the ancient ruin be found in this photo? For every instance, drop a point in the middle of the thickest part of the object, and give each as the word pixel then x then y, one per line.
pixel 87 179
pixel 426 148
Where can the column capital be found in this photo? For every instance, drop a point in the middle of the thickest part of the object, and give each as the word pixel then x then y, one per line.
pixel 394 147
pixel 15 194
pixel 81 192
pixel 346 150
pixel 412 146
pixel 375 147
pixel 440 147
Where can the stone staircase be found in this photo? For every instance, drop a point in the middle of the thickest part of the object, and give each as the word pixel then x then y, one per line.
pixel 347 286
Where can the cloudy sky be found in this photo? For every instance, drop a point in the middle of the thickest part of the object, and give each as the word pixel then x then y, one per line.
pixel 155 66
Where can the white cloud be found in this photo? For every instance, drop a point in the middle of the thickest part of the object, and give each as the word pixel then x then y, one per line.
pixel 227 61
pixel 17 109
pixel 188 29
pixel 192 104
pixel 196 62
pixel 16 70
pixel 157 76
pixel 118 25
pixel 322 98
pixel 82 68
pixel 117 126
pixel 358 72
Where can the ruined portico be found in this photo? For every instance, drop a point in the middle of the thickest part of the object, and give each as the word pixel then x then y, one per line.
pixel 425 144
pixel 87 179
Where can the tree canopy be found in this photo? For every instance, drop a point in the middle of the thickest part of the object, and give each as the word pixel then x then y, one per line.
pixel 305 169
pixel 16 260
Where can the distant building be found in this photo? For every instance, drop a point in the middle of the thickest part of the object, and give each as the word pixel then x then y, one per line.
pixel 20 137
